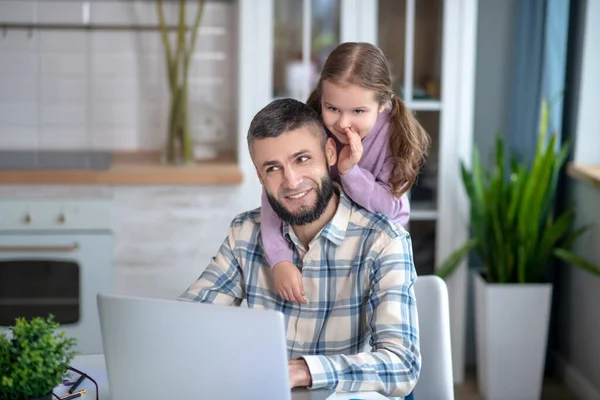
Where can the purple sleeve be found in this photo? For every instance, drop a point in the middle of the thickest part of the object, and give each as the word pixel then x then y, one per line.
pixel 375 194
pixel 277 249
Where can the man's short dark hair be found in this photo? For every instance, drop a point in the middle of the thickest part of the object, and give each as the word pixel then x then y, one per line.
pixel 281 116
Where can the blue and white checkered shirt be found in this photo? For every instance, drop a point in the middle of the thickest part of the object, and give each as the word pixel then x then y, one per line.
pixel 358 277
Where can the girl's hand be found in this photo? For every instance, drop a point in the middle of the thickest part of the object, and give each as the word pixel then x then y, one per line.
pixel 351 153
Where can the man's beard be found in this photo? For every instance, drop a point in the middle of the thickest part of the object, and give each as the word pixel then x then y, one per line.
pixel 324 194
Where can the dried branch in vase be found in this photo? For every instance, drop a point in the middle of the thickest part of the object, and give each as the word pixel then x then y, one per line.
pixel 179 141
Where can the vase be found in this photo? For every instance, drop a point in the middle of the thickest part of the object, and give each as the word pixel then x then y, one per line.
pixel 511 328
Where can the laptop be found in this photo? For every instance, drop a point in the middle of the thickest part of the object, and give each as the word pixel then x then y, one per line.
pixel 168 349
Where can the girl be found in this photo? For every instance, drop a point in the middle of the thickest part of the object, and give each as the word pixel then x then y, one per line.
pixel 381 148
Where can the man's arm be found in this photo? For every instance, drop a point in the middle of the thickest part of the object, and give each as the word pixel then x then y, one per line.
pixel 221 282
pixel 394 363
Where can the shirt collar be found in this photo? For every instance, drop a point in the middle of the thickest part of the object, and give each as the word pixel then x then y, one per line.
pixel 335 230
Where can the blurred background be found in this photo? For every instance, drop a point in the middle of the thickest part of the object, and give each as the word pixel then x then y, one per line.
pixel 85 114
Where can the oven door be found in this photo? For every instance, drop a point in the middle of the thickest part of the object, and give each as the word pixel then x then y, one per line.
pixel 58 274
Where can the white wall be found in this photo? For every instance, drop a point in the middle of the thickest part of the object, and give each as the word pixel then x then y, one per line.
pixel 78 89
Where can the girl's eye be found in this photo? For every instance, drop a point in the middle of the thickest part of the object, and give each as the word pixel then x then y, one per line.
pixel 359 111
pixel 332 109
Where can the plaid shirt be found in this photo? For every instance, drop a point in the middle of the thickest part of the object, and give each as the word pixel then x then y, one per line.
pixel 358 277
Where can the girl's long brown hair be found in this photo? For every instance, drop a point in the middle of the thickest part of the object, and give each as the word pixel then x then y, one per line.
pixel 365 65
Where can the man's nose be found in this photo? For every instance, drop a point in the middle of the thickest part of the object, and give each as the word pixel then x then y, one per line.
pixel 291 178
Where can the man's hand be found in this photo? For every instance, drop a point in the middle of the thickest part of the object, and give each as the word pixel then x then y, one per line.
pixel 299 373
pixel 351 153
pixel 288 282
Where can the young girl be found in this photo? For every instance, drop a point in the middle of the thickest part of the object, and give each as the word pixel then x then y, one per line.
pixel 381 148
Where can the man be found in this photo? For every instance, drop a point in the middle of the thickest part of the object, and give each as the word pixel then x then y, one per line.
pixel 357 267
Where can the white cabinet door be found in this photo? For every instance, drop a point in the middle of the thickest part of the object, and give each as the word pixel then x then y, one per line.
pixel 306 31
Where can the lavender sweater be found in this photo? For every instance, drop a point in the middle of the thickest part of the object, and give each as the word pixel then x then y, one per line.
pixel 366 184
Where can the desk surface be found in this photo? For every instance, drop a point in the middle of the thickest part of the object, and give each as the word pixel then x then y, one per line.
pixel 94 366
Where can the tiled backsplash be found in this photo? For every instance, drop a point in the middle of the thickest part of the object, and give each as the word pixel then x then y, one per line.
pixel 78 89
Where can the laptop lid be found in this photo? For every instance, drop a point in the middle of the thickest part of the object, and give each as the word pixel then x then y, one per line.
pixel 167 349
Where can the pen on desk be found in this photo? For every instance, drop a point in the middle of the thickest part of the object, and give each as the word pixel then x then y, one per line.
pixel 77 383
pixel 73 395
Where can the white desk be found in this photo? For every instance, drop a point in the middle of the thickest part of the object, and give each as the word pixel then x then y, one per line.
pixel 94 366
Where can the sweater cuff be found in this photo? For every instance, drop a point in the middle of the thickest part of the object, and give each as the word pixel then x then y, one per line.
pixel 279 256
pixel 350 175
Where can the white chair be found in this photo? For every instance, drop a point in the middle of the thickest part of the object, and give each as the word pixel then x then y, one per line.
pixel 436 380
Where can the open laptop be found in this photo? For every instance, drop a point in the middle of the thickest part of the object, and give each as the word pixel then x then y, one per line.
pixel 169 349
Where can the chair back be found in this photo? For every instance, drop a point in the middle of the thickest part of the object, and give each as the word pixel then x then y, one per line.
pixel 436 380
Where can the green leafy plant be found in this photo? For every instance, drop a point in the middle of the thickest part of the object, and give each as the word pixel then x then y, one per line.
pixel 515 231
pixel 33 358
pixel 178 61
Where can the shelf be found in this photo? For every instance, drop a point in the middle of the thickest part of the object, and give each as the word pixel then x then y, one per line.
pixel 425 105
pixel 134 169
pixel 585 173
pixel 423 211
pixel 423 215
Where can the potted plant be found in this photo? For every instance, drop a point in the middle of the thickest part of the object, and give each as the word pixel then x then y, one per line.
pixel 516 234
pixel 179 149
pixel 33 359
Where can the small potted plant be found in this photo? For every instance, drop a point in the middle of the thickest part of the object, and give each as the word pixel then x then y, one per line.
pixel 33 359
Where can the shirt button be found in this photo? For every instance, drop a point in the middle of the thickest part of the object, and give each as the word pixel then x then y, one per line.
pixel 307 261
pixel 301 343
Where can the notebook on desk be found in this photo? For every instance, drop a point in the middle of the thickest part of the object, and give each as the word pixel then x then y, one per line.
pixel 167 349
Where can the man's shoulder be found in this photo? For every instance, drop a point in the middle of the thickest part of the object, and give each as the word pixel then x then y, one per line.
pixel 376 223
pixel 247 218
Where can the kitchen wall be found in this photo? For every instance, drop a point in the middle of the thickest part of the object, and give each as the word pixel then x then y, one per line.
pixel 108 89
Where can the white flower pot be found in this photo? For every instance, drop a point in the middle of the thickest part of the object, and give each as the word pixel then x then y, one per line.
pixel 511 328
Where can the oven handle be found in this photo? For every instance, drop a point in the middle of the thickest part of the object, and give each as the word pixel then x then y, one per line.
pixel 39 249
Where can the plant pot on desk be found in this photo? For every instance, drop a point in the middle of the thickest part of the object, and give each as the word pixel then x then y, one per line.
pixel 511 328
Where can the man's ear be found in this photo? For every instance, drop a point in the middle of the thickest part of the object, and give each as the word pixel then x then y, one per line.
pixel 330 152
pixel 260 179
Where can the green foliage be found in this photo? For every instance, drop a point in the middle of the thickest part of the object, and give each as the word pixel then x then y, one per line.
pixel 516 233
pixel 33 359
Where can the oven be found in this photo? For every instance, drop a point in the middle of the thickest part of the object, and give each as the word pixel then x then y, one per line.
pixel 55 256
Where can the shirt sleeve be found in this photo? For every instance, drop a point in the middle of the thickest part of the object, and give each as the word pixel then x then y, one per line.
pixel 222 281
pixel 393 365
pixel 375 193
pixel 276 248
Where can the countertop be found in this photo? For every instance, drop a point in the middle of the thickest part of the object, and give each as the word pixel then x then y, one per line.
pixel 586 173
pixel 135 169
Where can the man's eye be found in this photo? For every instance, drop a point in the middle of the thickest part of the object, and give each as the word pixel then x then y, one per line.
pixel 303 159
pixel 272 169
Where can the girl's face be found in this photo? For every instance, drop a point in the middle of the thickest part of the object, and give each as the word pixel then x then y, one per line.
pixel 348 106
